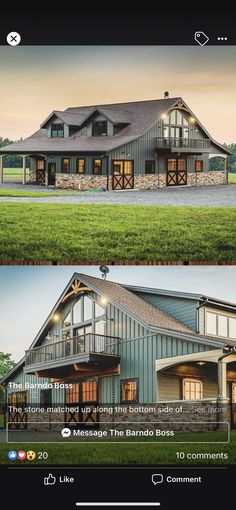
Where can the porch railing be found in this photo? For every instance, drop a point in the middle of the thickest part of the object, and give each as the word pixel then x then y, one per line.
pixel 71 347
pixel 190 143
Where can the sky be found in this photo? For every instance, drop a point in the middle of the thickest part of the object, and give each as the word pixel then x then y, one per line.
pixel 36 80
pixel 28 294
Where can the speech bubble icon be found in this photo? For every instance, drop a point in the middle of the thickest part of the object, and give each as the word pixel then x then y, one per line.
pixel 157 478
pixel 66 432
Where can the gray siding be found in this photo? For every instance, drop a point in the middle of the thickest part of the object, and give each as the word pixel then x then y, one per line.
pixel 169 388
pixel 184 310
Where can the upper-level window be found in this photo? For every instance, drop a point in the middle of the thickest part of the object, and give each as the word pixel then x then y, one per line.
pixel 57 130
pixel 175 118
pixel 220 325
pixel 99 128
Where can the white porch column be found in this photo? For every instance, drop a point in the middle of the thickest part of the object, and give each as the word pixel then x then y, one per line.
pixel 222 380
pixel 24 170
pixel 1 168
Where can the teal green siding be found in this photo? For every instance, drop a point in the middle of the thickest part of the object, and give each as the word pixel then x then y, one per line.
pixel 184 310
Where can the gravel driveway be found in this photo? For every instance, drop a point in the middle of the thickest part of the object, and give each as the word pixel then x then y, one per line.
pixel 221 195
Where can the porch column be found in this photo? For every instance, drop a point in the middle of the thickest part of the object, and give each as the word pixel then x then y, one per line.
pixel 226 169
pixel 1 168
pixel 24 170
pixel 222 380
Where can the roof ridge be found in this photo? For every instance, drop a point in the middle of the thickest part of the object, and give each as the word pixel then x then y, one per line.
pixel 126 102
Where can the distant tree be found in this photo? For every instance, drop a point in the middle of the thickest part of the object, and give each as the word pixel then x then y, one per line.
pixel 217 163
pixel 6 363
pixel 11 161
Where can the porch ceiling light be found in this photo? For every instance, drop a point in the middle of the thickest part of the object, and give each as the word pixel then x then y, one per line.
pixel 201 363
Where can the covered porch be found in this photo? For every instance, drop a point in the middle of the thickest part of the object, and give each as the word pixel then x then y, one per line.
pixel 33 170
pixel 198 377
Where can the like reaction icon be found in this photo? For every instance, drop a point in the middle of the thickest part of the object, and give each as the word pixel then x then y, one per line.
pixel 49 480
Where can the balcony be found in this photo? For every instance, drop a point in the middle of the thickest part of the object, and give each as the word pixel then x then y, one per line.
pixel 185 145
pixel 88 354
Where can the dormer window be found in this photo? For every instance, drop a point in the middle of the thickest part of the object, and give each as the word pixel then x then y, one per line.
pixel 99 128
pixel 57 131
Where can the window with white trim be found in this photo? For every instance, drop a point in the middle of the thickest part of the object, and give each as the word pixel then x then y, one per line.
pixel 192 389
pixel 220 325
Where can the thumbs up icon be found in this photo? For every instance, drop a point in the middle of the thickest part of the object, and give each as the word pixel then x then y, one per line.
pixel 49 480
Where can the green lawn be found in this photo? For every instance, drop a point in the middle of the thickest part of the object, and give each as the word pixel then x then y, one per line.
pixel 34 194
pixel 13 172
pixel 91 232
pixel 232 178
pixel 128 453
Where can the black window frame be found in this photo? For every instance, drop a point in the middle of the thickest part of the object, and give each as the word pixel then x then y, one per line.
pixel 152 163
pixel 45 403
pixel 197 161
pixel 56 130
pixel 77 166
pixel 129 379
pixel 62 166
pixel 98 131
pixel 93 169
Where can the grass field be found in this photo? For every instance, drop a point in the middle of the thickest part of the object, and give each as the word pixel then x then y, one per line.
pixel 11 173
pixel 232 178
pixel 34 194
pixel 128 453
pixel 89 232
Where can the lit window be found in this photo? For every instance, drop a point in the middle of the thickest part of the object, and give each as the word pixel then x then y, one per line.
pixel 171 165
pixel 198 165
pixel 99 128
pixel 72 394
pixel 192 389
pixel 99 310
pixel 182 164
pixel 80 166
pixel 89 391
pixel 234 393
pixel 77 312
pixel 57 130
pixel 149 167
pixel 97 166
pixel 88 308
pixel 211 323
pixel 129 390
pixel 67 321
pixel 65 166
pixel 40 164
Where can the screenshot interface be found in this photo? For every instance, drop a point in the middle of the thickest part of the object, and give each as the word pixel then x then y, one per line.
pixel 118 266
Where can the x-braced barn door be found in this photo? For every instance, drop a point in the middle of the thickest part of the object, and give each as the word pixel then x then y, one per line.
pixel 176 172
pixel 17 419
pixel 123 174
pixel 82 396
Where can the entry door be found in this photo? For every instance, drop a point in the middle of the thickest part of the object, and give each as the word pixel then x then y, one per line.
pixel 82 395
pixel 234 405
pixel 40 172
pixel 51 173
pixel 123 174
pixel 176 172
pixel 18 420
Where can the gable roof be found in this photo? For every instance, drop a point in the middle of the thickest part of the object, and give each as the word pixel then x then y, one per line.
pixel 144 312
pixel 137 117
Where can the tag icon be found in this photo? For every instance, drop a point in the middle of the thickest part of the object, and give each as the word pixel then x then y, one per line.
pixel 201 38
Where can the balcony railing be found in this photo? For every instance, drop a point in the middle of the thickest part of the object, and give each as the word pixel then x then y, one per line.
pixel 186 143
pixel 71 348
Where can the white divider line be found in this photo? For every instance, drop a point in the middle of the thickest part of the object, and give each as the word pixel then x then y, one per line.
pixel 117 503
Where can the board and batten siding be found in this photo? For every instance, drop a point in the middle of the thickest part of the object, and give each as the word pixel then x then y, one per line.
pixel 184 310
